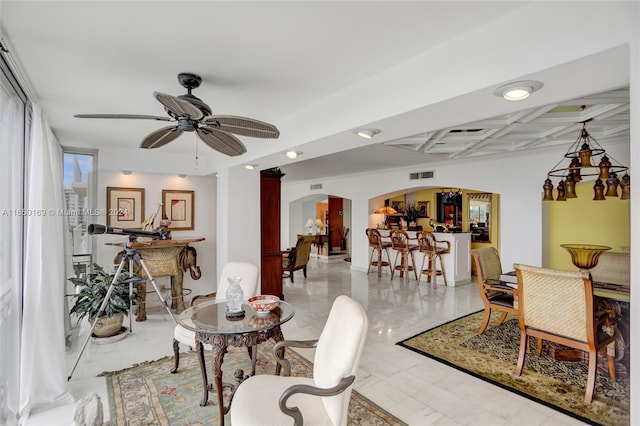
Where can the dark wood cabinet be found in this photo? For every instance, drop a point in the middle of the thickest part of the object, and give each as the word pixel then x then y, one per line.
pixel 271 257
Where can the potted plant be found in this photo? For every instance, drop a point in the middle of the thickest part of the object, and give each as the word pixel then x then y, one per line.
pixel 412 213
pixel 91 292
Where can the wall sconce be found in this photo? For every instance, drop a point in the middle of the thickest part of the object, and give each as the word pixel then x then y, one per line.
pixel 581 153
pixel 366 133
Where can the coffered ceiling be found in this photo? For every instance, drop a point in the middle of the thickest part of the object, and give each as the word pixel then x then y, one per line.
pixel 607 115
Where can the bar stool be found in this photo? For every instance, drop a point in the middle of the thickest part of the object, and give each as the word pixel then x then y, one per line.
pixel 400 243
pixel 379 247
pixel 428 246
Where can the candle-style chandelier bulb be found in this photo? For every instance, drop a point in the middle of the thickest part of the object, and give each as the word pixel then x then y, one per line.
pixel 604 167
pixel 625 186
pixel 562 193
pixel 612 185
pixel 570 186
pixel 548 190
pixel 598 190
pixel 574 168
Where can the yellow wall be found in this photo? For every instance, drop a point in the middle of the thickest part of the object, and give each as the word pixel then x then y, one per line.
pixel 583 220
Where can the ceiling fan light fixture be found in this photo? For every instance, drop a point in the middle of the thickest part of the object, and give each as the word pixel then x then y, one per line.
pixel 292 155
pixel 518 90
pixel 366 133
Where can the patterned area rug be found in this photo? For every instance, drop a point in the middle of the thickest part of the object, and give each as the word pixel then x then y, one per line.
pixel 148 394
pixel 493 356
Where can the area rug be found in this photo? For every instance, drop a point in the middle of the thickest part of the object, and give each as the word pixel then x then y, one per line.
pixel 493 356
pixel 148 394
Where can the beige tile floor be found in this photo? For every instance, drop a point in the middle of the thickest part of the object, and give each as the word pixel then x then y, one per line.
pixel 416 389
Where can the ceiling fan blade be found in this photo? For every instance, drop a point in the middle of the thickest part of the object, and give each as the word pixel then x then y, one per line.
pixel 243 126
pixel 133 116
pixel 178 106
pixel 161 137
pixel 221 141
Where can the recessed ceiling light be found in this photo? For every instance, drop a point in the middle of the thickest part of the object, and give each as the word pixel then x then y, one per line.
pixel 518 90
pixel 366 133
pixel 292 154
pixel 126 172
pixel 250 166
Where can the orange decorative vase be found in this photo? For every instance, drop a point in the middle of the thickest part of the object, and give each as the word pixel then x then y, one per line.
pixel 585 256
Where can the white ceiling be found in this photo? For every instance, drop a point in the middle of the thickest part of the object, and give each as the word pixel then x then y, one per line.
pixel 274 61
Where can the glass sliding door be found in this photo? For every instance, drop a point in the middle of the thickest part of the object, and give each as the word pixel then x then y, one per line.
pixel 14 122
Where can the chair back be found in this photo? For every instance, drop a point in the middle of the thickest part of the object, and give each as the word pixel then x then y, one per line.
pixel 245 270
pixel 426 242
pixel 338 353
pixel 399 239
pixel 302 250
pixel 487 261
pixel 558 302
pixel 374 237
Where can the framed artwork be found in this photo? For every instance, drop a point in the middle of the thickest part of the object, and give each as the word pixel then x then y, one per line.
pixel 179 208
pixel 423 209
pixel 125 207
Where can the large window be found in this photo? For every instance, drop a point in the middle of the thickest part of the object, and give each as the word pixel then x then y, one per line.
pixel 79 194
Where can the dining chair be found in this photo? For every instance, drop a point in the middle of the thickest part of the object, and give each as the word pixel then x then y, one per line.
pixel 558 306
pixel 406 251
pixel 250 287
pixel 494 295
pixel 319 400
pixel 428 246
pixel 379 248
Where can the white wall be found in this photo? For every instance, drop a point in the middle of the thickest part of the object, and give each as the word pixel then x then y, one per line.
pixel 518 180
pixel 204 220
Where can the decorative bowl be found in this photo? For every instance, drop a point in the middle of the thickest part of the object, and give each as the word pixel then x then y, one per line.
pixel 264 303
pixel 585 256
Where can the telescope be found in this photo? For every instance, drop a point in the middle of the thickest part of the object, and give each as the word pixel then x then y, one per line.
pixel 93 229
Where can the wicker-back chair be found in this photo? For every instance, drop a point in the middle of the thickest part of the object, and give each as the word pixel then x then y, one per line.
pixel 297 257
pixel 400 243
pixel 558 306
pixel 428 246
pixel 494 295
pixel 379 248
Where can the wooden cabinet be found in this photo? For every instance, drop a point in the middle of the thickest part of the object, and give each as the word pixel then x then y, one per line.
pixel 271 257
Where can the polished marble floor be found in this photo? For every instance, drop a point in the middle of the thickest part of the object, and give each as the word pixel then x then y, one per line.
pixel 416 389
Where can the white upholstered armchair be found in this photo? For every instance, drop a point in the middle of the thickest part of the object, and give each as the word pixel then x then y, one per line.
pixel 249 274
pixel 321 400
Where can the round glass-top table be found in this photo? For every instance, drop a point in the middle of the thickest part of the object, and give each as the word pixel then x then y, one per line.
pixel 212 327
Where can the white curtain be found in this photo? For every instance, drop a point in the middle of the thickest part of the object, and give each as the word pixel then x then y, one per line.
pixel 43 376
pixel 12 119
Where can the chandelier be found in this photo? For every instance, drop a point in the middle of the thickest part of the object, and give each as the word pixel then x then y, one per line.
pixel 583 153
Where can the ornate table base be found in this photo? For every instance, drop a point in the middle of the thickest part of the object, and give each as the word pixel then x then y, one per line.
pixel 219 344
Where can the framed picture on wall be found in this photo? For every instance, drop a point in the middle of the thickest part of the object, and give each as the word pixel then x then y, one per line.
pixel 423 209
pixel 179 208
pixel 125 207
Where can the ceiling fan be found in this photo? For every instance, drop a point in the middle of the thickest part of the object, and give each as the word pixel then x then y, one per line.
pixel 189 114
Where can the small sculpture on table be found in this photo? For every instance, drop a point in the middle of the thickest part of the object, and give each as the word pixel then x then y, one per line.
pixel 164 229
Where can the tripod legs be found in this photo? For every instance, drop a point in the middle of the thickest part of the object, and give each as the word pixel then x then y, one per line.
pixel 131 255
